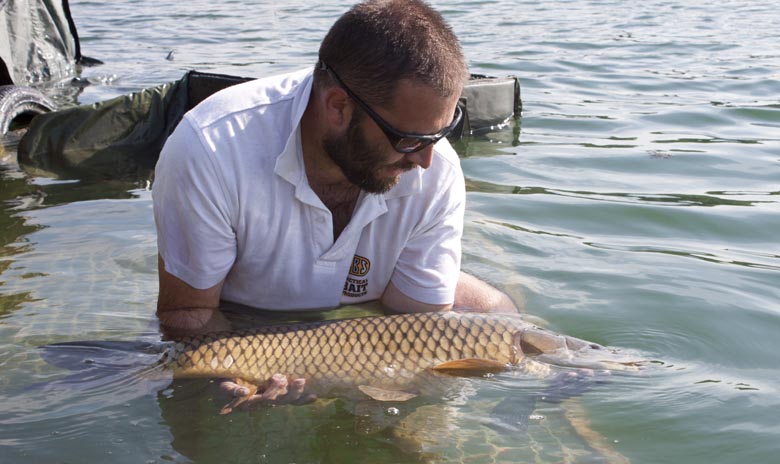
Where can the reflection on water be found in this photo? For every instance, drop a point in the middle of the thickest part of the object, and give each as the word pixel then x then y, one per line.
pixel 713 199
pixel 15 195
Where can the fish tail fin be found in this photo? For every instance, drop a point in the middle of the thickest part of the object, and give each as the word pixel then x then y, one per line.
pixel 80 355
pixel 96 363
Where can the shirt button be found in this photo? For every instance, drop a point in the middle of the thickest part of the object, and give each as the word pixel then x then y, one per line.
pixel 321 220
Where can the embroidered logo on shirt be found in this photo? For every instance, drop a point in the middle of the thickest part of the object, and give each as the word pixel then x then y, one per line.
pixel 357 287
pixel 360 266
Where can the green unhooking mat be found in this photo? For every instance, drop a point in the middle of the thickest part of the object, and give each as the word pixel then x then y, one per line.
pixel 121 138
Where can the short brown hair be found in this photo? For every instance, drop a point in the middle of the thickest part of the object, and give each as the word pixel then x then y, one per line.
pixel 377 43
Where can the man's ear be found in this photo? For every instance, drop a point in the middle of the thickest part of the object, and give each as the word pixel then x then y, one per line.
pixel 338 108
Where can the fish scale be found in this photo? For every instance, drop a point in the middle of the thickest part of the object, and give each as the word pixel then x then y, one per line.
pixel 386 351
pixel 384 357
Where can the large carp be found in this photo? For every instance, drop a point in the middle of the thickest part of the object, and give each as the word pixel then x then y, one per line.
pixel 384 357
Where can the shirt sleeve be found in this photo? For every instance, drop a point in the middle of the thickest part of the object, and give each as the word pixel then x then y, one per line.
pixel 429 265
pixel 195 235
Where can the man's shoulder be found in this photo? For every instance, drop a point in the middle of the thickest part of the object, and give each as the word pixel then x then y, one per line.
pixel 447 156
pixel 252 96
pixel 239 132
pixel 443 174
pixel 445 168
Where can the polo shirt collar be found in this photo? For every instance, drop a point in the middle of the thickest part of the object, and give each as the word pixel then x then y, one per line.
pixel 289 163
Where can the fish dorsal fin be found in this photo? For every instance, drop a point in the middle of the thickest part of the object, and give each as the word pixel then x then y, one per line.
pixel 470 367
pixel 380 394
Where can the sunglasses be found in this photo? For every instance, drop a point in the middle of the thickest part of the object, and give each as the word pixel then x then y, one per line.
pixel 402 142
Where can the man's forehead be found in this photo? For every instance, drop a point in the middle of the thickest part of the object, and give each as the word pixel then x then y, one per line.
pixel 416 104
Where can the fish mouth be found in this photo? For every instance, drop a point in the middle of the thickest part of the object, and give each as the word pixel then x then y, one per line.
pixel 535 341
pixel 566 351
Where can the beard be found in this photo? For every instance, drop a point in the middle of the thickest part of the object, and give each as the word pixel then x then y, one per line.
pixel 361 162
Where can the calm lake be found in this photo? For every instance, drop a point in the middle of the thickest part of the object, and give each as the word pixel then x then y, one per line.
pixel 636 204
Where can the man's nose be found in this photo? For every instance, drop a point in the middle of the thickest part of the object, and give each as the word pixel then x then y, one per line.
pixel 422 158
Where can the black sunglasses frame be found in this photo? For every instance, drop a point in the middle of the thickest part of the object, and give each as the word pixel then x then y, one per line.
pixel 394 136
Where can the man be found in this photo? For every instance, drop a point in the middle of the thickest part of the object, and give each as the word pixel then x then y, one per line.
pixel 323 187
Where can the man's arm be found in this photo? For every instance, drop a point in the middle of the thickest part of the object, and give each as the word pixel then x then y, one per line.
pixel 186 310
pixel 395 301
pixel 471 294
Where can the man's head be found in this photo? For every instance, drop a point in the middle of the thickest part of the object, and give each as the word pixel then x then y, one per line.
pixel 378 43
pixel 402 69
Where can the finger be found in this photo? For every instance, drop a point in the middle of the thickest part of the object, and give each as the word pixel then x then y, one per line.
pixel 295 390
pixel 241 395
pixel 306 399
pixel 276 388
pixel 233 389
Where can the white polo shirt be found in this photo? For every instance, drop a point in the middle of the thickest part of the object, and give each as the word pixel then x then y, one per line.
pixel 232 202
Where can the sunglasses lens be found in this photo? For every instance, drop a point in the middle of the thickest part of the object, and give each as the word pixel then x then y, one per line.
pixel 411 144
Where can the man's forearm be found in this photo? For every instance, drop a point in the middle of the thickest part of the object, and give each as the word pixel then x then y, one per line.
pixel 185 310
pixel 394 301
pixel 473 294
pixel 192 321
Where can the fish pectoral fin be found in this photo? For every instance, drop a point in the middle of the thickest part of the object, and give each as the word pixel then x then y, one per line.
pixel 381 394
pixel 228 408
pixel 470 367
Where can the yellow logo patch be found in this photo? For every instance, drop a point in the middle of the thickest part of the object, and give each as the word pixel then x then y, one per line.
pixel 355 286
pixel 360 266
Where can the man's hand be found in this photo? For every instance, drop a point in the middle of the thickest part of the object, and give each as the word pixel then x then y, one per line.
pixel 280 390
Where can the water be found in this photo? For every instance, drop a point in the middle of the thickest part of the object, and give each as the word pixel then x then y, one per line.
pixel 635 205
